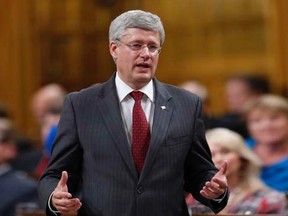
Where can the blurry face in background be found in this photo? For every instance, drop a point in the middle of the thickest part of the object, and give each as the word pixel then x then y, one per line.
pixel 219 154
pixel 267 127
pixel 237 94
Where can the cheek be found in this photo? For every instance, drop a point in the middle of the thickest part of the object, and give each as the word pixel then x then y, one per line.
pixel 282 124
pixel 155 62
pixel 253 128
pixel 234 165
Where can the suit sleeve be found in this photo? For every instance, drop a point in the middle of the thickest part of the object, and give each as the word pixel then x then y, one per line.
pixel 199 167
pixel 66 155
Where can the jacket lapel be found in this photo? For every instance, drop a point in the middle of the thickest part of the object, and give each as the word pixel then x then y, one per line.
pixel 110 110
pixel 164 106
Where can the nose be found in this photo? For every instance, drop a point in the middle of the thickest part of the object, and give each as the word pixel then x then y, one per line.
pixel 145 50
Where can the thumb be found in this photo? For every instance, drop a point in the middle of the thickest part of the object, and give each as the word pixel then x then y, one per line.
pixel 63 181
pixel 223 168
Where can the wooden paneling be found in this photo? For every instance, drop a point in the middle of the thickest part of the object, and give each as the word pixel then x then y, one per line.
pixel 66 41
pixel 19 72
pixel 208 40
pixel 205 40
pixel 277 38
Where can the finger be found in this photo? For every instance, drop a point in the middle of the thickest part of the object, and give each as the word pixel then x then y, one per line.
pixel 216 191
pixel 223 168
pixel 219 182
pixel 212 186
pixel 205 192
pixel 75 205
pixel 68 205
pixel 61 195
pixel 63 181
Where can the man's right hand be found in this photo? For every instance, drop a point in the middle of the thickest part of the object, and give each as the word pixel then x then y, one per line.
pixel 62 200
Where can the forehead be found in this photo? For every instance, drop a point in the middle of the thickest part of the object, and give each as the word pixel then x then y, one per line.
pixel 141 34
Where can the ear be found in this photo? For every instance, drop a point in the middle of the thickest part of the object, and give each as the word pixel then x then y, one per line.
pixel 113 50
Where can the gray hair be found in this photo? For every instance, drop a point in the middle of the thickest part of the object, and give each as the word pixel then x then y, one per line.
pixel 136 19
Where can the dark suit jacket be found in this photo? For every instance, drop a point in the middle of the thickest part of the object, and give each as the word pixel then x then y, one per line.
pixel 92 146
pixel 16 188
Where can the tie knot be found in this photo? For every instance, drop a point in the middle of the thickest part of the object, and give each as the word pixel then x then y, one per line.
pixel 137 95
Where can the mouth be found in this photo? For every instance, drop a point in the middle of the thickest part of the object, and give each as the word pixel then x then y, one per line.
pixel 143 65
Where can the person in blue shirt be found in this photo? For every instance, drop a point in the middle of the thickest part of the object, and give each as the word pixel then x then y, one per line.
pixel 267 123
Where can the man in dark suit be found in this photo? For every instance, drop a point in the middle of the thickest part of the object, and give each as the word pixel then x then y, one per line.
pixel 15 186
pixel 94 168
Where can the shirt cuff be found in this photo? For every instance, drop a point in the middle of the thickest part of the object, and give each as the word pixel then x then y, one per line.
pixel 219 200
pixel 55 212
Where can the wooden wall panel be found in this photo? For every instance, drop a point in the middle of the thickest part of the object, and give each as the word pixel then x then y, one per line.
pixel 277 38
pixel 19 63
pixel 208 40
pixel 67 42
pixel 75 42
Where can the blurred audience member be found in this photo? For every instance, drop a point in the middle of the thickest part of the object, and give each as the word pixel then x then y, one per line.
pixel 201 91
pixel 198 89
pixel 15 186
pixel 47 105
pixel 240 90
pixel 25 146
pixel 248 194
pixel 267 122
pixel 47 100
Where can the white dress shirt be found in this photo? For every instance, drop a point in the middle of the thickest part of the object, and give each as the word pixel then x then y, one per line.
pixel 127 102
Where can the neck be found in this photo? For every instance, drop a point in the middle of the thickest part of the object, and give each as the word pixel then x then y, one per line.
pixel 233 181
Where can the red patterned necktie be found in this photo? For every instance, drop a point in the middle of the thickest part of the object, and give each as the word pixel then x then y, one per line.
pixel 140 132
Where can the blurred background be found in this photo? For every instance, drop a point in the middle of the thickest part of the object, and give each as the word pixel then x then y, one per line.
pixel 66 41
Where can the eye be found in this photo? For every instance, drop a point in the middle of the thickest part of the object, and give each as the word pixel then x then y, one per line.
pixel 225 151
pixel 152 48
pixel 136 46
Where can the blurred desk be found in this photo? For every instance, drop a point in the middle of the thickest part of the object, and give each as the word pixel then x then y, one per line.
pixel 41 213
pixel 240 215
pixel 38 213
pixel 31 213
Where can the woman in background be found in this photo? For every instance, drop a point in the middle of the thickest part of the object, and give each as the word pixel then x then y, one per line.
pixel 248 194
pixel 267 122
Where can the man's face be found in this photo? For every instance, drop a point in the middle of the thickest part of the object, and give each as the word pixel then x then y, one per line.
pixel 136 68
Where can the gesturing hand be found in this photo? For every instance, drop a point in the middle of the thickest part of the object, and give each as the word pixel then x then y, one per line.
pixel 218 184
pixel 62 200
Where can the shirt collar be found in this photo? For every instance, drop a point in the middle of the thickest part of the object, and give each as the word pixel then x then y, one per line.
pixel 123 89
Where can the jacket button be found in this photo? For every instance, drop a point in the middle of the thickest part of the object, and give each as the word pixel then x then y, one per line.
pixel 139 189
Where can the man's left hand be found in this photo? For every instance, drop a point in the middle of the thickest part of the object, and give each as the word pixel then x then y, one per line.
pixel 217 186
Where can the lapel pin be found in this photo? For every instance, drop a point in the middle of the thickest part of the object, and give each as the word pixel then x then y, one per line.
pixel 163 107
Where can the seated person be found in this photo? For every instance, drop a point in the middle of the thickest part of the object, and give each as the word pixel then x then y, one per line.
pixel 26 152
pixel 248 194
pixel 200 90
pixel 240 89
pixel 267 123
pixel 15 186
